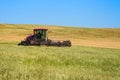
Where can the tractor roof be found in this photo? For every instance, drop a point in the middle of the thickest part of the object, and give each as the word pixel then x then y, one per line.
pixel 40 29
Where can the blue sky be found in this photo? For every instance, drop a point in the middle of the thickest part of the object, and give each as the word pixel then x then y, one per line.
pixel 84 13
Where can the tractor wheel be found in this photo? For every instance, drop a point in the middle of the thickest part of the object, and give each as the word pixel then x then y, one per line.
pixel 23 43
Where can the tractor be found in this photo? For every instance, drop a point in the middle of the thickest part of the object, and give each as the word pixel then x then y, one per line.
pixel 39 37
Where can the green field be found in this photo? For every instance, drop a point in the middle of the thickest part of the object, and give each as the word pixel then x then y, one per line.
pixel 79 62
pixel 58 63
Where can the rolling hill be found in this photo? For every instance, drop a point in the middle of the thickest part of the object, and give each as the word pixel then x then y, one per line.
pixel 96 37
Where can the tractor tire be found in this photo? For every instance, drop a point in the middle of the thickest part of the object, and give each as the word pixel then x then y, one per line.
pixel 24 43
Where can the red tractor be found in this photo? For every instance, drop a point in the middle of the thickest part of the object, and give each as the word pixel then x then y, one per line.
pixel 39 38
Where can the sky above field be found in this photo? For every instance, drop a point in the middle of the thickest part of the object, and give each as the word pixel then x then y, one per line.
pixel 84 13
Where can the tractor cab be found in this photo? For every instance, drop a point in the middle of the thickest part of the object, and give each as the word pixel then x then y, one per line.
pixel 40 34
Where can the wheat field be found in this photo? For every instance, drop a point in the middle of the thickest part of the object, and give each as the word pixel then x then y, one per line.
pixel 95 54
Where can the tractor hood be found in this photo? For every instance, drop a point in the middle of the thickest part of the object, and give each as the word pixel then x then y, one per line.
pixel 29 37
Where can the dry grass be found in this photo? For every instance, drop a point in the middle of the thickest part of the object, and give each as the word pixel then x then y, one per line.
pixel 108 38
